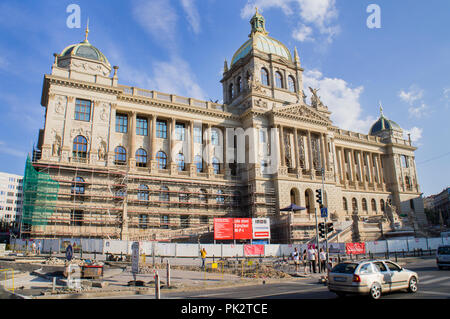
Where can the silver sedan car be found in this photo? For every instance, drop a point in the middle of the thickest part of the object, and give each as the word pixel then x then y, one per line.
pixel 372 277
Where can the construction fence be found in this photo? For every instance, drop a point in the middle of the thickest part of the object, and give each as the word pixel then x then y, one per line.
pixel 152 248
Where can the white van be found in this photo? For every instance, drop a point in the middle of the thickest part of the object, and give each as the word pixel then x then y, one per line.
pixel 443 256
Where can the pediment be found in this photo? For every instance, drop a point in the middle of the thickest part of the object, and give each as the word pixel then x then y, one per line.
pixel 301 112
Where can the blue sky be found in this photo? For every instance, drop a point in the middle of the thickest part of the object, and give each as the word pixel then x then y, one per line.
pixel 179 46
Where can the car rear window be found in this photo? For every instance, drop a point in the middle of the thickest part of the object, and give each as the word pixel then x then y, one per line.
pixel 345 268
pixel 444 250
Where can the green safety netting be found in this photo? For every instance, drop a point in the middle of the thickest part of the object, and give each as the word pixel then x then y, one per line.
pixel 40 193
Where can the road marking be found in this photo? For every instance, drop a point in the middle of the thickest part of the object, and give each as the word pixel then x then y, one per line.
pixel 434 293
pixel 430 281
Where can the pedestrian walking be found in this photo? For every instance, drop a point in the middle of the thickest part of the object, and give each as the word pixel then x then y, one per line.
pixel 305 260
pixel 312 259
pixel 296 258
pixel 323 260
pixel 33 247
pixel 39 247
pixel 203 255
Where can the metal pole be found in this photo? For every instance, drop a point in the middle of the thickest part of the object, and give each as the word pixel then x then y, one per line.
pixel 157 286
pixel 168 274
pixel 326 218
pixel 317 238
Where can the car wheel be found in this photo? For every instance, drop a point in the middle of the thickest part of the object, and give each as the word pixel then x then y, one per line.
pixel 412 286
pixel 375 291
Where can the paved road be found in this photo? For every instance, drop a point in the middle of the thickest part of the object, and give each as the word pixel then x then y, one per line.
pixel 433 283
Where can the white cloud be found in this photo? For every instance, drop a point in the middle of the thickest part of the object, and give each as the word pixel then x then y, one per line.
pixel 417 107
pixel 412 95
pixel 193 16
pixel 320 14
pixel 302 33
pixel 416 134
pixel 446 96
pixel 5 149
pixel 341 99
pixel 158 19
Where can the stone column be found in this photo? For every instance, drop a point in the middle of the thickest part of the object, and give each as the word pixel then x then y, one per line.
pixel 327 155
pixel 152 158
pixel 297 153
pixel 343 166
pixel 310 156
pixel 381 172
pixel 282 147
pixel 132 141
pixel 172 157
pixel 191 165
pixel 353 166
pixel 323 152
pixel 112 131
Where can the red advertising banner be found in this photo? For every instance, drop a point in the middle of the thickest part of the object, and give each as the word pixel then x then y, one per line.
pixel 254 250
pixel 355 248
pixel 243 228
pixel 223 229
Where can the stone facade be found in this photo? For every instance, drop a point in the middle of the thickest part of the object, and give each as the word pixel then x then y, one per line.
pixel 125 144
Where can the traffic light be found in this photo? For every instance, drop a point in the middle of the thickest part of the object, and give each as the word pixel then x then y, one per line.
pixel 330 228
pixel 319 196
pixel 322 230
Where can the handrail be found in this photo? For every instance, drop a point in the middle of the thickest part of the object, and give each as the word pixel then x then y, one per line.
pixel 12 278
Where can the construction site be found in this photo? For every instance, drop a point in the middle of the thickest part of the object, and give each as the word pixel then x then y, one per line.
pixel 78 201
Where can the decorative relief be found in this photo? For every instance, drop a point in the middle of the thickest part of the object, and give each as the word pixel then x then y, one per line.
pixel 80 131
pixel 60 104
pixel 101 149
pixel 56 146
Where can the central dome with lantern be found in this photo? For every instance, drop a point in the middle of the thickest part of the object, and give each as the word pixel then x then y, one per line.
pixel 261 41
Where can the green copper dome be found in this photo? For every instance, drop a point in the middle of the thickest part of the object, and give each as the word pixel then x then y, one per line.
pixel 85 50
pixel 260 41
pixel 383 124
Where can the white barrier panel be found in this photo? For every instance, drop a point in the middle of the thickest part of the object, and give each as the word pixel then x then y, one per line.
pixel 233 250
pixel 51 245
pixel 417 243
pixel 190 250
pixel 376 247
pixel 434 243
pixel 272 250
pixel 165 249
pixel 92 245
pixel 211 250
pixel 397 245
pixel 115 246
pixel 446 240
pixel 146 247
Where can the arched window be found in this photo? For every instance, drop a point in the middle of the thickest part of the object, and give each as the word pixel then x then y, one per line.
pixel 214 137
pixel 408 182
pixel 164 194
pixel 291 81
pixel 120 155
pixel 203 196
pixel 216 165
pixel 239 84
pixel 78 186
pixel 143 192
pixel 161 158
pixel 220 199
pixel 183 195
pixel 295 196
pixel 354 205
pixel 198 163
pixel 264 77
pixel 278 80
pixel 374 205
pixel 364 205
pixel 80 147
pixel 382 205
pixel 180 162
pixel 344 203
pixel 231 91
pixel 141 158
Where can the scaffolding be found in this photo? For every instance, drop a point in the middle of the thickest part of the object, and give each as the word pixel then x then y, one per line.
pixel 67 200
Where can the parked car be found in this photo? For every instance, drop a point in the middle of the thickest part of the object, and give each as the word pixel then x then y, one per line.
pixel 371 277
pixel 443 256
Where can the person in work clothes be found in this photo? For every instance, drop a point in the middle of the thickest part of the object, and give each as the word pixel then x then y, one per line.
pixel 203 255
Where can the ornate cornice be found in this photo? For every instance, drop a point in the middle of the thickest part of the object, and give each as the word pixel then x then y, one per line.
pixel 302 113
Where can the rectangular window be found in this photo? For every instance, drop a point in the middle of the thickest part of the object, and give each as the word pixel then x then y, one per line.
pixel 76 218
pixel 198 135
pixel 165 222
pixel 141 126
pixel 143 221
pixel 161 129
pixel 83 110
pixel 179 132
pixel 121 123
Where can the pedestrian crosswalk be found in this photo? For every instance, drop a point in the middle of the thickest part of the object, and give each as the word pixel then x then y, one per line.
pixel 429 279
